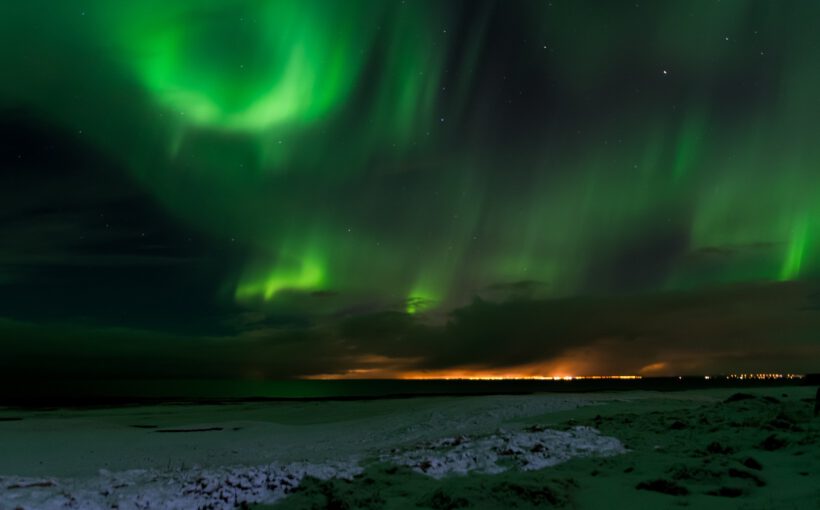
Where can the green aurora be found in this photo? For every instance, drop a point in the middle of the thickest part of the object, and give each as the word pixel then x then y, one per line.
pixel 372 155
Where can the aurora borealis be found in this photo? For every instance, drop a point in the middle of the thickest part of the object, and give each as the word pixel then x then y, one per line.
pixel 248 188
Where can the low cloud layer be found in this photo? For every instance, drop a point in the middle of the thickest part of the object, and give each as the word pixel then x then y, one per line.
pixel 767 327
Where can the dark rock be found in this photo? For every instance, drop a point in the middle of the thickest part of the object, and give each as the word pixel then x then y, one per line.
pixel 440 500
pixel 629 469
pixel 184 431
pixel 538 448
pixel 663 486
pixel 693 473
pixel 726 492
pixel 784 422
pixel 737 397
pixel 534 495
pixel 698 473
pixel 752 464
pixel 773 443
pixel 737 473
pixel 677 425
pixel 719 449
pixel 332 499
pixel 771 400
pixel 370 502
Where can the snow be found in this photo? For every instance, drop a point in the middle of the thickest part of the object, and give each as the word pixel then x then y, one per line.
pixel 223 456
pixel 230 487
pixel 193 488
pixel 495 453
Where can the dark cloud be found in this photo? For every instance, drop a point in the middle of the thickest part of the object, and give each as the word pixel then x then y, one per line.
pixel 83 242
pixel 524 289
pixel 742 328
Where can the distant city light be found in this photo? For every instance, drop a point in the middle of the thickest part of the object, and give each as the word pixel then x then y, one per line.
pixel 466 377
pixel 764 376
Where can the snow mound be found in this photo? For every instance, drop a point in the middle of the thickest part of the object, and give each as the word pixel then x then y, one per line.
pixel 530 449
pixel 213 489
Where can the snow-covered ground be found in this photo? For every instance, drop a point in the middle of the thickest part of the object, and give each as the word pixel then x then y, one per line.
pixel 530 449
pixel 231 487
pixel 646 449
pixel 78 443
pixel 179 489
pixel 217 456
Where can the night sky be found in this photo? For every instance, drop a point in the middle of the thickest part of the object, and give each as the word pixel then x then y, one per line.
pixel 370 188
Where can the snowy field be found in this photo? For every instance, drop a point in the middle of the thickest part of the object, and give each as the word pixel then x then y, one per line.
pixel 303 454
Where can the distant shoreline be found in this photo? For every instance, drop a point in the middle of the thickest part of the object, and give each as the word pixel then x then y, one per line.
pixel 91 393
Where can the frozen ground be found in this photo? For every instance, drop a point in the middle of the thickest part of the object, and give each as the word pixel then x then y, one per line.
pixel 529 449
pixel 235 486
pixel 217 456
pixel 78 443
pixel 341 452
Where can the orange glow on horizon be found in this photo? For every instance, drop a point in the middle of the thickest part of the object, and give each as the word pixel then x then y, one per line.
pixel 465 375
pixel 574 366
pixel 568 368
pixel 521 378
pixel 468 375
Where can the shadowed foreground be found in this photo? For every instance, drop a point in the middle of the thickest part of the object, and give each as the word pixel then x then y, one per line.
pixel 749 451
pixel 716 448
